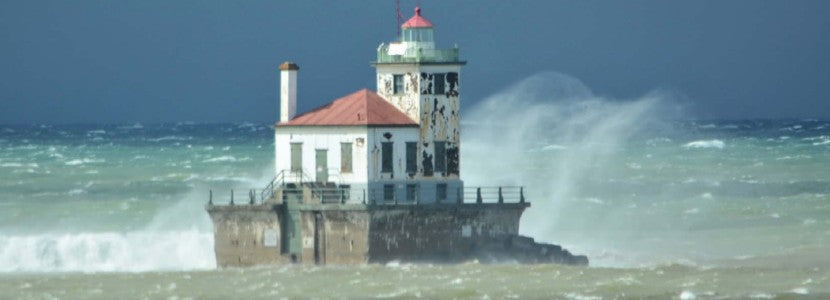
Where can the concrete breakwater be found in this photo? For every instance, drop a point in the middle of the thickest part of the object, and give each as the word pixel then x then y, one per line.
pixel 309 232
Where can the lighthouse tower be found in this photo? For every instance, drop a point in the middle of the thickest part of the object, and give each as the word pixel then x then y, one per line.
pixel 423 82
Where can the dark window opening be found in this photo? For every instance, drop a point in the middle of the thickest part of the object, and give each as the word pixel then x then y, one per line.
pixel 386 157
pixel 345 157
pixel 441 192
pixel 388 192
pixel 441 157
pixel 411 192
pixel 397 84
pixel 438 84
pixel 411 157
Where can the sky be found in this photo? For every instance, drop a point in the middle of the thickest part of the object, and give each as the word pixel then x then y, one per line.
pixel 216 61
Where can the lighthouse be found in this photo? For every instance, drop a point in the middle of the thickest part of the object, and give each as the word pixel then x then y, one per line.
pixel 399 144
pixel 374 176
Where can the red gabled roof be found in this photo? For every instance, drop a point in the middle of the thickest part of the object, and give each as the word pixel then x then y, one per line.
pixel 363 107
pixel 417 20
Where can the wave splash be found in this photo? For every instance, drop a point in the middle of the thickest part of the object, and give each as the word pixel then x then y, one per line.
pixel 107 251
pixel 552 111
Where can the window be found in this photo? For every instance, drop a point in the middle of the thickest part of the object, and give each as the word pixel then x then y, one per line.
pixel 411 192
pixel 441 192
pixel 345 157
pixel 441 157
pixel 398 84
pixel 386 157
pixel 388 192
pixel 411 157
pixel 296 157
pixel 438 84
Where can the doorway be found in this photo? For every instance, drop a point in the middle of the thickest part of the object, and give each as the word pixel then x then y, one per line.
pixel 322 165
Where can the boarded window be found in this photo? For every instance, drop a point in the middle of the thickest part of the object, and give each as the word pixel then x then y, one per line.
pixel 388 192
pixel 438 84
pixel 398 84
pixel 296 157
pixel 441 157
pixel 345 157
pixel 411 192
pixel 441 192
pixel 411 157
pixel 386 157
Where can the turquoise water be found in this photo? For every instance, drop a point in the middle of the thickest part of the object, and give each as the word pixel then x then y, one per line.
pixel 706 209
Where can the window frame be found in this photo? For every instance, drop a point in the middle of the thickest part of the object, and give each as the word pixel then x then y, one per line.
pixel 296 157
pixel 440 165
pixel 397 79
pixel 346 157
pixel 387 166
pixel 411 157
pixel 435 81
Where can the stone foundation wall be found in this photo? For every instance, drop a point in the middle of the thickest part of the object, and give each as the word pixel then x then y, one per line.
pixel 356 234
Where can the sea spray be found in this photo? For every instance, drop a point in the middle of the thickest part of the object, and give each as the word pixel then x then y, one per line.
pixel 551 134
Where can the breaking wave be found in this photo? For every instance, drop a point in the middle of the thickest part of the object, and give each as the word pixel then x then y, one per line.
pixel 107 251
pixel 578 133
pixel 717 144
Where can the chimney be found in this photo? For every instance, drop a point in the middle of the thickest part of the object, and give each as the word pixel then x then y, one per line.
pixel 288 90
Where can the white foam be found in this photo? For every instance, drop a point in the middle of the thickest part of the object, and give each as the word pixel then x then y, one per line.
pixel 226 158
pixel 800 291
pixel 171 138
pixel 107 251
pixel 706 144
pixel 76 162
pixel 552 147
pixel 687 295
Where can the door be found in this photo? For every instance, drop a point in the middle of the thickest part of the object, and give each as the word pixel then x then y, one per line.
pixel 319 239
pixel 322 165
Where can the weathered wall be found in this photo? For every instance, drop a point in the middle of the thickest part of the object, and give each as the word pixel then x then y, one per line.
pixel 437 113
pixel 440 233
pixel 346 236
pixel 356 234
pixel 246 235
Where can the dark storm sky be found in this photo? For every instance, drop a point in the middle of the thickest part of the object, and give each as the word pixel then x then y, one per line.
pixel 216 61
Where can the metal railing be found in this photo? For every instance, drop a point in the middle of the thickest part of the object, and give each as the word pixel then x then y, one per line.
pixel 379 196
pixel 418 55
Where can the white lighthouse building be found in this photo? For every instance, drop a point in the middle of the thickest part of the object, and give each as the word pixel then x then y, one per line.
pixel 398 144
pixel 373 176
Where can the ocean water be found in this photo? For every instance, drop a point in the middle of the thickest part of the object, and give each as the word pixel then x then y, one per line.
pixel 662 208
pixel 696 209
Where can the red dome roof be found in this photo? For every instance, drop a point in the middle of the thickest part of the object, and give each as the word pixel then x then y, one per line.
pixel 417 21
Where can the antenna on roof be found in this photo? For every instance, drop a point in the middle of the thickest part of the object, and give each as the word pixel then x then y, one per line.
pixel 398 15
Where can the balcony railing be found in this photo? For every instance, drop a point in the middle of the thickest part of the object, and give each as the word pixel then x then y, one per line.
pixel 418 55
pixel 376 196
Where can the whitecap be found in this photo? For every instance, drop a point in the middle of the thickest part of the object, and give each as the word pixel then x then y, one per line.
pixel 761 296
pixel 594 200
pixel 171 138
pixel 552 147
pixel 226 158
pixel 707 126
pixel 76 162
pixel 687 295
pixel 800 291
pixel 706 144
pixel 691 211
pixel 76 192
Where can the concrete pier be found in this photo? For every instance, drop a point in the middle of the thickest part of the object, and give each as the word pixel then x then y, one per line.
pixel 310 232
